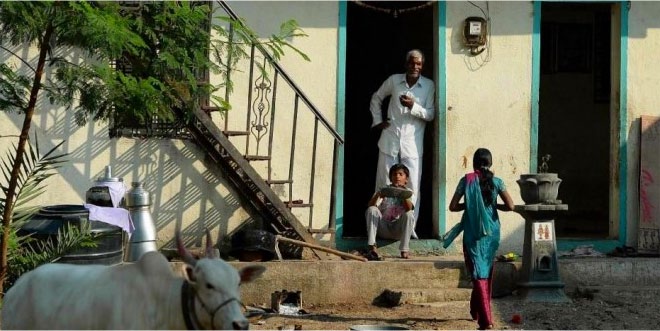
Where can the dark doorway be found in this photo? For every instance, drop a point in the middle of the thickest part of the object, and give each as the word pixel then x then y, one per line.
pixel 574 112
pixel 377 43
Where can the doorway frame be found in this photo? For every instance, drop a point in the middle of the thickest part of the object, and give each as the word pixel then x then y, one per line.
pixel 618 179
pixel 618 149
pixel 438 188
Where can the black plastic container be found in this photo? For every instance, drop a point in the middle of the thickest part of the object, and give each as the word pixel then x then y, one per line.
pixel 253 245
pixel 50 219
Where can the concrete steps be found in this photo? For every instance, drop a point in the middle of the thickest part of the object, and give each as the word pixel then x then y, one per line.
pixel 322 282
pixel 423 280
pixel 426 295
pixel 418 280
pixel 459 305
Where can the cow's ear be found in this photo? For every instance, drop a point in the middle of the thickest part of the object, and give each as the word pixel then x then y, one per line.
pixel 189 274
pixel 251 273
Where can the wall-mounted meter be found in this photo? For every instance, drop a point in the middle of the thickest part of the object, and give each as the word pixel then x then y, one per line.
pixel 475 30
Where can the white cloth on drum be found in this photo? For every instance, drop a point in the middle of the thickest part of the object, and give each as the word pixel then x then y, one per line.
pixel 115 216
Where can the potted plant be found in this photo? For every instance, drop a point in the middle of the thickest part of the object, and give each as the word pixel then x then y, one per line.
pixel 541 187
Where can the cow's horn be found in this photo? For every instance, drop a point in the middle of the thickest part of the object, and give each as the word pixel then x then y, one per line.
pixel 183 252
pixel 210 251
pixel 209 245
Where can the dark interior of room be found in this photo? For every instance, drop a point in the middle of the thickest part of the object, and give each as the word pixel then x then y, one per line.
pixel 377 43
pixel 574 112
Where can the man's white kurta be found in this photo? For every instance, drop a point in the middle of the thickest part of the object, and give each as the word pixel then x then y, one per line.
pixel 403 140
pixel 405 135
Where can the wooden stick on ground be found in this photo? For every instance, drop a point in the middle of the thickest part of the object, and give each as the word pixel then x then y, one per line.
pixel 320 248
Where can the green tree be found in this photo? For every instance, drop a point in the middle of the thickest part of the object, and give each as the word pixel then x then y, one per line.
pixel 160 43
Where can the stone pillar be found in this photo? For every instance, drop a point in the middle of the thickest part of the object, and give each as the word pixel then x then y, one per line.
pixel 539 277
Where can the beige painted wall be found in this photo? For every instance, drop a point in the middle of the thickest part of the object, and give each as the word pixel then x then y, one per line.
pixel 317 78
pixel 643 98
pixel 319 20
pixel 184 191
pixel 488 103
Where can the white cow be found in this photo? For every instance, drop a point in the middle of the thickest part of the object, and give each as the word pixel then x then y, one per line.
pixel 142 295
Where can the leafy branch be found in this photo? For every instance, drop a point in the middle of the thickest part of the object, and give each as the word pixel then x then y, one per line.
pixel 28 253
pixel 25 253
pixel 138 62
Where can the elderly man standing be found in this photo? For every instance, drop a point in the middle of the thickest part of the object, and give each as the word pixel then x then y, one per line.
pixel 411 105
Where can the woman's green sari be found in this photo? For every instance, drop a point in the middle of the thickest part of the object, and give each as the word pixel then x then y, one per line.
pixel 480 225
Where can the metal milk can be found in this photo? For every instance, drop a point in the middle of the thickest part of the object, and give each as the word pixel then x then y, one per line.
pixel 107 191
pixel 143 239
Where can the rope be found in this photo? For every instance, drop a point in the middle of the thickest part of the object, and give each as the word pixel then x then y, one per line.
pixel 394 12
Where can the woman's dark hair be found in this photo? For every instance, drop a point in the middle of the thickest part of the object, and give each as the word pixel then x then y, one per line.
pixel 481 162
pixel 399 166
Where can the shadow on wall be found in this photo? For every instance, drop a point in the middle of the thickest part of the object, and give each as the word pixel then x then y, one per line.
pixel 185 193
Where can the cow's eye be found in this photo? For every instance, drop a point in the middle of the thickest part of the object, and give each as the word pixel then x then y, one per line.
pixel 209 286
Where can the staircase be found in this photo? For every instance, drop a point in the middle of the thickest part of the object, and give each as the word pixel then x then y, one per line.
pixel 272 166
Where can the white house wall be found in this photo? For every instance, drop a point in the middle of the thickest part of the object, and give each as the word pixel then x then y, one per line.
pixel 317 79
pixel 488 102
pixel 643 98
pixel 184 192
pixel 318 19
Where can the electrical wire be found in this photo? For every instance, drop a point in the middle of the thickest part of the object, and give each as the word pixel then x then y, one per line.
pixel 482 11
pixel 489 30
pixel 394 12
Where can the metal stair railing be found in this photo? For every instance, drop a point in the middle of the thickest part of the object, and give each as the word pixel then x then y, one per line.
pixel 221 151
pixel 263 141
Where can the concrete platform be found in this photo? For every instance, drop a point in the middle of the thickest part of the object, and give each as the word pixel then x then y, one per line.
pixel 422 279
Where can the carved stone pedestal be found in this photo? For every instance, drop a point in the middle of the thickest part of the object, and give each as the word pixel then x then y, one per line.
pixel 539 277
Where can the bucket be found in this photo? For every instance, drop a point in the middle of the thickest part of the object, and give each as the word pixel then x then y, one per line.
pixel 45 224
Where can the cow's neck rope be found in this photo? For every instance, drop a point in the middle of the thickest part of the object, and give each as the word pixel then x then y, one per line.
pixel 188 295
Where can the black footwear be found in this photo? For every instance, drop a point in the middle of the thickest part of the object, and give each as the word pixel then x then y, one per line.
pixel 623 251
pixel 373 256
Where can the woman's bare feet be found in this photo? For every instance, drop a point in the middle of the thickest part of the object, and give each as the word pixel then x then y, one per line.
pixel 405 255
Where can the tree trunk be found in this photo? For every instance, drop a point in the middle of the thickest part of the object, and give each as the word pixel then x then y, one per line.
pixel 20 151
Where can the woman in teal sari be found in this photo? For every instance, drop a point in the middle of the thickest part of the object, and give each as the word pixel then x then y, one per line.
pixel 480 225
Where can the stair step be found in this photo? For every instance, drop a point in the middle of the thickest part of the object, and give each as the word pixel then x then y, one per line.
pixel 245 178
pixel 297 204
pixel 448 304
pixel 321 230
pixel 257 157
pixel 424 295
pixel 279 181
pixel 235 133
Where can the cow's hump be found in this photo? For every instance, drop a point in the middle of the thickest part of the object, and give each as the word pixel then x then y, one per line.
pixel 155 264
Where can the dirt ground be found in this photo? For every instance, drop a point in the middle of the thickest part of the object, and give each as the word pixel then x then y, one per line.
pixel 602 310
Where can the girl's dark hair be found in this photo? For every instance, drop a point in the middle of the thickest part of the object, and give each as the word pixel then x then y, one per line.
pixel 399 166
pixel 481 162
